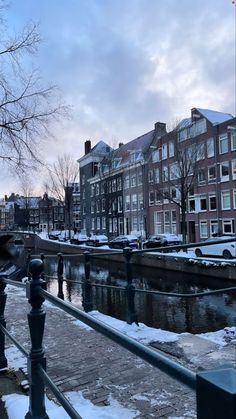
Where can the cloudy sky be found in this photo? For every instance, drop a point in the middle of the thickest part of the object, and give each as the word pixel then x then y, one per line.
pixel 123 65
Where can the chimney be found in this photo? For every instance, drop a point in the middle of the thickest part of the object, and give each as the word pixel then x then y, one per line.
pixel 87 147
pixel 160 128
pixel 120 145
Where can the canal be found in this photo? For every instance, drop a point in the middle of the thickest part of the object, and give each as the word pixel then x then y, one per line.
pixel 195 315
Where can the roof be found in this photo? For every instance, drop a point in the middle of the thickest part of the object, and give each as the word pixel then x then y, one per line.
pixel 100 148
pixel 215 117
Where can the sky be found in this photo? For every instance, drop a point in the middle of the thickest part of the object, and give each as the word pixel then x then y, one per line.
pixel 123 65
pixel 16 403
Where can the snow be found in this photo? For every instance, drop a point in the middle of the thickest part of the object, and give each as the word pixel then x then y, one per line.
pixel 16 403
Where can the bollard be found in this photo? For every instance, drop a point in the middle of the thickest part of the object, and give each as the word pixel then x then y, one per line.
pixel 60 270
pixel 216 394
pixel 3 298
pixel 36 321
pixel 87 286
pixel 130 288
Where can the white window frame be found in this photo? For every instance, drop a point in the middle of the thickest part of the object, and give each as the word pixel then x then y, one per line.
pixel 225 223
pixel 223 195
pixel 210 147
pixel 212 195
pixel 171 149
pixel 223 143
pixel 203 229
pixel 233 139
pixel 224 178
pixel 164 151
pixel 233 166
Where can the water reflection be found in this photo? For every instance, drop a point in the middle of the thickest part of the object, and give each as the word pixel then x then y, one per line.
pixel 196 315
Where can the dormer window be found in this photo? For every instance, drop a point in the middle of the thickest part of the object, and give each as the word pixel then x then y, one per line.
pixel 135 156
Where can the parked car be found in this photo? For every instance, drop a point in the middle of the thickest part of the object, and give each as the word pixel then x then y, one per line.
pixel 79 238
pixel 97 240
pixel 54 235
pixel 65 235
pixel 124 241
pixel 227 250
pixel 161 240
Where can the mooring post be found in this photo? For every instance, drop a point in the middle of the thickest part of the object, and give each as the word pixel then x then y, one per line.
pixel 60 270
pixel 87 286
pixel 130 288
pixel 36 321
pixel 3 298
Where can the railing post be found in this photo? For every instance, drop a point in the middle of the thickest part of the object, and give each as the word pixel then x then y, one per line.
pixel 60 270
pixel 87 287
pixel 36 321
pixel 3 298
pixel 130 288
pixel 216 394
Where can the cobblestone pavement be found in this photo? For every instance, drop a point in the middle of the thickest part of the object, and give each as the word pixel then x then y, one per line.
pixel 83 360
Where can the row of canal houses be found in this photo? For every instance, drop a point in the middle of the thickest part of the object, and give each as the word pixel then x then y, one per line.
pixel 182 181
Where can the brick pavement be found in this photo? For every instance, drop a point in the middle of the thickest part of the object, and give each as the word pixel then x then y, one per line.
pixel 83 360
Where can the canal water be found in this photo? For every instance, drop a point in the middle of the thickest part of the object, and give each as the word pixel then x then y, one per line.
pixel 195 315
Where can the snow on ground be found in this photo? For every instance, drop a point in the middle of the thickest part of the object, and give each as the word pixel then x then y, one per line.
pixel 221 337
pixel 17 407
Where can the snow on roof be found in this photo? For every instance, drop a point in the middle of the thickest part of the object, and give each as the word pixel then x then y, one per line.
pixel 215 117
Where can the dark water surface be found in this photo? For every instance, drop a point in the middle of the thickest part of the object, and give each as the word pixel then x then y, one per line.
pixel 195 315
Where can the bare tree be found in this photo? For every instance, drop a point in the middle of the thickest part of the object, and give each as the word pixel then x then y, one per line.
pixel 63 172
pixel 26 106
pixel 177 183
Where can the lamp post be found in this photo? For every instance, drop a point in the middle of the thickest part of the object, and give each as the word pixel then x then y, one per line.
pixel 68 205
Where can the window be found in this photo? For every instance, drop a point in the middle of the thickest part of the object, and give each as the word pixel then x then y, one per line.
pixel 234 198
pixel 102 187
pixel 126 182
pixel 134 202
pixel 114 225
pixel 97 189
pixel 92 190
pixel 201 176
pixel 213 227
pixel 203 203
pixel 98 223
pixel 93 224
pixel 158 197
pixel 211 174
pixel 119 184
pixel 156 156
pixel 83 179
pixel 173 221
pixel 127 203
pixel 157 222
pixel 171 149
pixel 166 221
pixel 165 173
pixel 200 126
pixel 228 227
pixel 133 180
pixel 200 155
pixel 164 151
pixel 210 147
pixel 121 225
pixel 110 225
pixel 120 203
pixel 225 200
pixel 140 177
pixel 98 206
pixel 174 171
pixel 103 205
pixel 92 207
pixel 150 176
pixel 151 198
pixel 140 201
pixel 212 202
pixel 104 223
pixel 134 223
pixel 203 230
pixel 223 143
pixel 224 171
pixel 113 183
pixel 191 205
pixel 157 175
pixel 173 193
pixel 233 139
pixel 233 169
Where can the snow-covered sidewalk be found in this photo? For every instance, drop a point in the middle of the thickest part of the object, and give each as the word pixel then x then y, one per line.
pixel 123 397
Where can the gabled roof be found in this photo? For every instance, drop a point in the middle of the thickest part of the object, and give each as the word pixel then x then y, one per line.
pixel 215 117
pixel 100 148
pixel 139 144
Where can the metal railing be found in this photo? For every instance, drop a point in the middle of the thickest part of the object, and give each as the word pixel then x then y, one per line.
pixel 215 389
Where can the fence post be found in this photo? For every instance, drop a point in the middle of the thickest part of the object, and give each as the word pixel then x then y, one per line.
pixel 36 321
pixel 130 288
pixel 216 394
pixel 87 287
pixel 3 298
pixel 60 270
